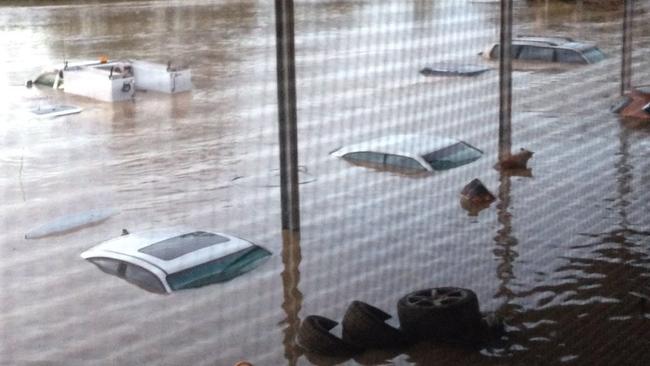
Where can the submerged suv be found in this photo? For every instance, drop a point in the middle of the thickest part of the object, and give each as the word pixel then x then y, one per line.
pixel 549 49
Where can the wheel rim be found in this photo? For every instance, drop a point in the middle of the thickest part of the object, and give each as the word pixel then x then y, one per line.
pixel 436 297
pixel 449 298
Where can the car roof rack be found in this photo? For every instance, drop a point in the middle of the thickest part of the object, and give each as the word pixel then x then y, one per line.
pixel 550 40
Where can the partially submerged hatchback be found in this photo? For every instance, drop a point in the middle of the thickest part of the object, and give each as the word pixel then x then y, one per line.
pixel 410 153
pixel 634 104
pixel 166 260
pixel 549 49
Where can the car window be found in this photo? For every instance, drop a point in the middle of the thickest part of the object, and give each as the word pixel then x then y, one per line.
pixel 218 270
pixel 453 156
pixel 365 157
pixel 569 56
pixel 108 265
pixel 593 55
pixel 177 246
pixel 403 162
pixel 535 53
pixel 514 51
pixel 143 279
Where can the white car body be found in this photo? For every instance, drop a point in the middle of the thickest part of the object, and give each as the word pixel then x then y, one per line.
pixel 129 249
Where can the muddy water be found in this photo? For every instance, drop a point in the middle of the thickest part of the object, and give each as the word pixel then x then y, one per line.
pixel 559 254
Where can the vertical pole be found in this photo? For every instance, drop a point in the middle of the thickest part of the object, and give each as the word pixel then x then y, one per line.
pixel 505 80
pixel 287 115
pixel 626 59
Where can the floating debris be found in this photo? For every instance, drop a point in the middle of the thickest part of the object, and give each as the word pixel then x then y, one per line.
pixel 70 223
pixel 51 111
pixel 516 161
pixel 445 69
pixel 272 180
pixel 475 197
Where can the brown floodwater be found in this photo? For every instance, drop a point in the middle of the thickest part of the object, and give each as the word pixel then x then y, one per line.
pixel 561 254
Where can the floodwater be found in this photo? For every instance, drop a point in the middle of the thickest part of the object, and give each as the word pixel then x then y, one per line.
pixel 560 255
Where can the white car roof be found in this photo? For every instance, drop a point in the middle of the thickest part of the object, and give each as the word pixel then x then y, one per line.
pixel 558 42
pixel 406 145
pixel 128 246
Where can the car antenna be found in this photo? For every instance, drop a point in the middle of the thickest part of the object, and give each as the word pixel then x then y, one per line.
pixel 125 232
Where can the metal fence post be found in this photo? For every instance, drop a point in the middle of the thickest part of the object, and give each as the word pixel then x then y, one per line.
pixel 626 58
pixel 287 115
pixel 505 80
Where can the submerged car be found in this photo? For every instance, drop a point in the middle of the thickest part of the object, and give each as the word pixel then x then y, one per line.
pixel 635 104
pixel 166 260
pixel 410 153
pixel 549 49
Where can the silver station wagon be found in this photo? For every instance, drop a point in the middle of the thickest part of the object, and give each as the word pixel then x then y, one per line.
pixel 166 260
pixel 410 153
pixel 549 49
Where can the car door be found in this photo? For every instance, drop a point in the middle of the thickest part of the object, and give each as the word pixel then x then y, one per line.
pixel 143 278
pixel 569 56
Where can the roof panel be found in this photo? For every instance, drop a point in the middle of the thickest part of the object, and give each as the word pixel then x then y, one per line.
pixel 177 246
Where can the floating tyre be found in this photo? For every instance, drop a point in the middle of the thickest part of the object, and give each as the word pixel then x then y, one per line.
pixel 448 314
pixel 365 327
pixel 314 335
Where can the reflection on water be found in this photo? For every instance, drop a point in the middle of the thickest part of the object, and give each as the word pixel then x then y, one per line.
pixel 506 245
pixel 560 256
pixel 292 296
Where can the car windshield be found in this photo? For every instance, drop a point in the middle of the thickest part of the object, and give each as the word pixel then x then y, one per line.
pixel 218 270
pixel 452 156
pixel 622 103
pixel 594 55
pixel 177 246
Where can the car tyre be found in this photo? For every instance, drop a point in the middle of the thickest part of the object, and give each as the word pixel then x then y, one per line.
pixel 443 313
pixel 365 327
pixel 314 335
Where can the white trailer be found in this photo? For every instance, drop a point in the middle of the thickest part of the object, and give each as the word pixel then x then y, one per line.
pixel 109 82
pixel 161 78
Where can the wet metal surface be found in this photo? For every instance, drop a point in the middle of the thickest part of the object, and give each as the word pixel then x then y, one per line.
pixel 563 252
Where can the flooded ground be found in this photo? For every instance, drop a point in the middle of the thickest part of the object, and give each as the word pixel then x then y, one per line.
pixel 559 254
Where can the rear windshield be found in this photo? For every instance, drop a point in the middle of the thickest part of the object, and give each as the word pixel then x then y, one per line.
pixel 177 246
pixel 453 156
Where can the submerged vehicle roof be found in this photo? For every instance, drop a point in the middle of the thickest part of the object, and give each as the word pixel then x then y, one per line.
pixel 170 249
pixel 554 41
pixel 406 144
